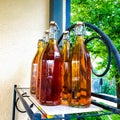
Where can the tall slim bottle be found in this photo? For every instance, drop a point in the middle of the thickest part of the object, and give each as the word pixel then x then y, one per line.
pixel 34 68
pixel 81 72
pixel 45 38
pixel 66 69
pixel 50 86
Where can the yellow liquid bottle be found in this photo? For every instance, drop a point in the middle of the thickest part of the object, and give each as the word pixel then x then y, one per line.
pixel 50 86
pixel 34 68
pixel 66 75
pixel 81 71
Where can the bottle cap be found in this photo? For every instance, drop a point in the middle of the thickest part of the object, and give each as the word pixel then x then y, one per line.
pixel 79 23
pixel 55 24
pixel 66 32
pixel 46 31
pixel 52 23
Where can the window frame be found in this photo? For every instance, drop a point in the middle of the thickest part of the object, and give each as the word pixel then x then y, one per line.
pixel 60 13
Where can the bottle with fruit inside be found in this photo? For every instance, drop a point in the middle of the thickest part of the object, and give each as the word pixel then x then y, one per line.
pixel 66 69
pixel 81 70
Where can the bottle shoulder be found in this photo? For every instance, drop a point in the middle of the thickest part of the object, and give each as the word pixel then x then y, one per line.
pixel 78 51
pixel 51 52
pixel 36 57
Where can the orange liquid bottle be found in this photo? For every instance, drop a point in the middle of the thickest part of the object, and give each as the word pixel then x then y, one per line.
pixel 66 75
pixel 81 71
pixel 50 86
pixel 45 38
pixel 34 68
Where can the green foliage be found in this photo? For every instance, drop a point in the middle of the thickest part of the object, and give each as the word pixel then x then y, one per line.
pixel 105 14
pixel 109 87
pixel 93 117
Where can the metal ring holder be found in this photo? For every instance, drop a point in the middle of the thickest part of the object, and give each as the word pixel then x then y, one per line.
pixel 109 56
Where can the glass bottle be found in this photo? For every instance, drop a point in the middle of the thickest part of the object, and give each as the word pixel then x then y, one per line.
pixel 34 68
pixel 50 87
pixel 45 38
pixel 81 71
pixel 66 75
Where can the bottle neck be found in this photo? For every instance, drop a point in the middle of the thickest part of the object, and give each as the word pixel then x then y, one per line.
pixel 53 32
pixel 46 36
pixel 53 36
pixel 80 29
pixel 53 41
pixel 66 44
pixel 65 40
pixel 79 39
pixel 65 49
pixel 80 32
pixel 40 46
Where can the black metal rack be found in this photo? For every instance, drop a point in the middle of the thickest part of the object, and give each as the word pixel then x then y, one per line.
pixel 100 109
pixel 28 101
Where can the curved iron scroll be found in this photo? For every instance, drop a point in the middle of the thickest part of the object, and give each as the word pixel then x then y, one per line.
pixel 109 55
pixel 108 43
pixel 16 105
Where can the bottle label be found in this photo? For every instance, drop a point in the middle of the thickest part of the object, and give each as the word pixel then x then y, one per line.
pixel 34 78
pixel 66 66
pixel 75 70
pixel 34 69
pixel 50 66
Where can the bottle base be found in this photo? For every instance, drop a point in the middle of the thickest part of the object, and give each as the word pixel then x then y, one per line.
pixel 51 103
pixel 79 106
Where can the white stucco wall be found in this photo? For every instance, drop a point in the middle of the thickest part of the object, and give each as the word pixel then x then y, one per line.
pixel 22 23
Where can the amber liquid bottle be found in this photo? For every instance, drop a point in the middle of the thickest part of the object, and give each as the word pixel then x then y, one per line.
pixel 66 70
pixel 45 38
pixel 50 86
pixel 34 68
pixel 81 71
